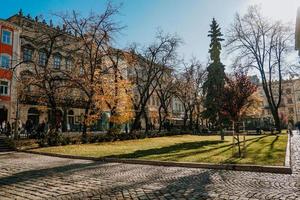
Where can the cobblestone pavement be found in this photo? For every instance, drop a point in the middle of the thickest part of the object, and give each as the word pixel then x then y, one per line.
pixel 28 176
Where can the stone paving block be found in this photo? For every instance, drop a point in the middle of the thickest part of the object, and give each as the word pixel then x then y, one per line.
pixel 27 176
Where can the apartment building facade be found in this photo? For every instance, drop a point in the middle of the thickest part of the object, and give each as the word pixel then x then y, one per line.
pixel 289 109
pixel 20 56
pixel 9 52
pixel 19 53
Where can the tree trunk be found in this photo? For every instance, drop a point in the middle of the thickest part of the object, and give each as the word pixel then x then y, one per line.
pixel 191 120
pixel 160 118
pixel 146 122
pixel 136 122
pixel 84 127
pixel 185 119
pixel 222 134
pixel 237 131
pixel 64 121
pixel 52 119
pixel 277 120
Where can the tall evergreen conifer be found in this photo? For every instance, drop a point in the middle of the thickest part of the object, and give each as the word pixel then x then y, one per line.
pixel 214 85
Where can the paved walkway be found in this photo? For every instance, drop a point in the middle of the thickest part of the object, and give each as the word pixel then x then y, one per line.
pixel 28 176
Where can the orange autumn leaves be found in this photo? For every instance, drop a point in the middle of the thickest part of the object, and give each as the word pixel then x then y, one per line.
pixel 114 95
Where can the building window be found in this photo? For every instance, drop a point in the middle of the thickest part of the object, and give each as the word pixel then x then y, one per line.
pixel 81 71
pixel 27 54
pixel 6 37
pixel 68 64
pixel 4 88
pixel 290 101
pixel 298 99
pixel 291 110
pixel 288 91
pixel 42 58
pixel 5 61
pixel 57 62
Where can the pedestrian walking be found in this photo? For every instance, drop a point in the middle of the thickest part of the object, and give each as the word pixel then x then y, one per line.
pixel 8 129
pixel 290 129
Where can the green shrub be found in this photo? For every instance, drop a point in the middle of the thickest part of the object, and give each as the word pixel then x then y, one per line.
pixel 55 138
pixel 66 140
pixel 11 143
pixel 84 138
pixel 42 142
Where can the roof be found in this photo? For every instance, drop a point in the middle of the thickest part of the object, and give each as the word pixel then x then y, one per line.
pixel 11 25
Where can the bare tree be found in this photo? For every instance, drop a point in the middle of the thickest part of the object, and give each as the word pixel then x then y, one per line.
pixel 189 91
pixel 39 68
pixel 165 91
pixel 264 45
pixel 147 66
pixel 94 35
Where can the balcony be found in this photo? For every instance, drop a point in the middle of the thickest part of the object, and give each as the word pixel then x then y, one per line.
pixel 61 102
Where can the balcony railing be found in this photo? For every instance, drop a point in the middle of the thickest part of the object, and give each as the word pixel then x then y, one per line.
pixel 61 102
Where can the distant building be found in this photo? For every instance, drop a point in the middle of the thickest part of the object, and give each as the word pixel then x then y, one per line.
pixel 254 79
pixel 289 109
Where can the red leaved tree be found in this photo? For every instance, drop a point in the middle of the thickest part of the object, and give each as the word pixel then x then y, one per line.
pixel 237 99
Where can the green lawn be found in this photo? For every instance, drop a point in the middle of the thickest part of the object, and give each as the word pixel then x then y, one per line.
pixel 261 150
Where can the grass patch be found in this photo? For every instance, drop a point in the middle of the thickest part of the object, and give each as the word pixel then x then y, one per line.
pixel 23 144
pixel 261 150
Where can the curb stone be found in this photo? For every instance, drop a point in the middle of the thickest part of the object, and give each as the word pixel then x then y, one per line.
pixel 237 167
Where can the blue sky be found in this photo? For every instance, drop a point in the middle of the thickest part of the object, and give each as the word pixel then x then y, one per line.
pixel 189 19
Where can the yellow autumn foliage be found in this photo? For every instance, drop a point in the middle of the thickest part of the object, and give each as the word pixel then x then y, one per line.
pixel 253 108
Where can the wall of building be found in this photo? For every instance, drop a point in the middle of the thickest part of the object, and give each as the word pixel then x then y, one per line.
pixel 7 101
pixel 290 102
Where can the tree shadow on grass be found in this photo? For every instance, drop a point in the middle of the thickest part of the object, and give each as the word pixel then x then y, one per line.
pixel 169 149
pixel 229 147
pixel 182 150
pixel 274 141
pixel 258 151
pixel 175 150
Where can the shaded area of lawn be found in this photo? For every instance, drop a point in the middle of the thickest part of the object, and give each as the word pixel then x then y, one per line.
pixel 263 150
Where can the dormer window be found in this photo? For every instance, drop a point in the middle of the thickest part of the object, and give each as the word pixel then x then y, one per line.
pixel 6 37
